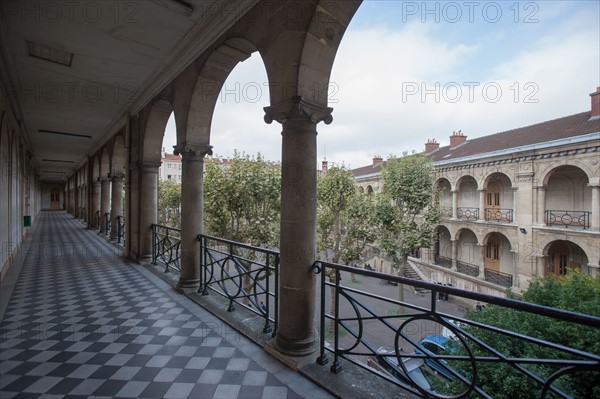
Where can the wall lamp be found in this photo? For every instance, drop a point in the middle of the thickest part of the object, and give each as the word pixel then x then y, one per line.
pixel 522 230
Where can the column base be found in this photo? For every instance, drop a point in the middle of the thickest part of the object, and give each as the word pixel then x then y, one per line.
pixel 296 347
pixel 187 285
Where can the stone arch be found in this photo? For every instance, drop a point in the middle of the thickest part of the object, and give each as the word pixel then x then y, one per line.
pixel 96 167
pixel 468 246
pixel 497 253
pixel 370 190
pixel 547 172
pixel 444 188
pixel 154 130
pixel 560 256
pixel 496 176
pixel 567 190
pixel 208 86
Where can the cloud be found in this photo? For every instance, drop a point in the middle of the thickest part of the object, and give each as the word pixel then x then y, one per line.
pixel 490 79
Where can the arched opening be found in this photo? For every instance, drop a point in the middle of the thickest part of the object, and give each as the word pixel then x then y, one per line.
pixel 499 198
pixel 468 255
pixel 442 247
pixel 568 201
pixel 370 190
pixel 562 257
pixel 498 260
pixel 468 199
pixel 170 175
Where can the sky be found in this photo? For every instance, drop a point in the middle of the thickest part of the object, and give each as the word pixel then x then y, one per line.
pixel 409 71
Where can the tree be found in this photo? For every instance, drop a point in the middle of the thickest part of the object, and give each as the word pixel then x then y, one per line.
pixel 241 203
pixel 344 220
pixel 406 212
pixel 575 292
pixel 169 203
pixel 242 199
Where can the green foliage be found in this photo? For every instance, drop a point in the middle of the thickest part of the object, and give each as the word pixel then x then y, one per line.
pixel 344 217
pixel 169 203
pixel 575 292
pixel 405 211
pixel 242 199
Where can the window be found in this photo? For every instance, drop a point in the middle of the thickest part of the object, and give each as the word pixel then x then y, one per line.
pixel 168 166
pixel 179 166
pixel 492 251
pixel 169 177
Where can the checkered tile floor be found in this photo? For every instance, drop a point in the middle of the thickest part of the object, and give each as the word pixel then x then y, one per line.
pixel 82 322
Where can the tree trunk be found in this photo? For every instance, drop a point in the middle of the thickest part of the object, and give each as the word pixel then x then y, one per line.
pixel 400 273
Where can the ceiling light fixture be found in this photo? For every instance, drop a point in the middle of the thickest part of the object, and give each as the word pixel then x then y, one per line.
pixel 84 136
pixel 179 6
pixel 49 54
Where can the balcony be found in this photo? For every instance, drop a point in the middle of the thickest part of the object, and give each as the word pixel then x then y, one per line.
pixel 467 268
pixel 499 215
pixel 576 219
pixel 467 213
pixel 499 278
pixel 443 261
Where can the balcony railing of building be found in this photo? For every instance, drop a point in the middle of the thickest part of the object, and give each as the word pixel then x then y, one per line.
pixel 245 275
pixel 165 247
pixel 442 261
pixel 446 211
pixel 467 213
pixel 121 231
pixel 498 215
pixel 467 268
pixel 107 224
pixel 499 278
pixel 388 344
pixel 568 218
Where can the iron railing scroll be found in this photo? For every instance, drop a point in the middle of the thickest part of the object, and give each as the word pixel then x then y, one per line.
pixel 496 277
pixel 166 242
pixel 467 213
pixel 246 275
pixel 107 224
pixel 499 215
pixel 568 218
pixel 396 340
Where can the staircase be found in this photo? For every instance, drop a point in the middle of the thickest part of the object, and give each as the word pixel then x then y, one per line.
pixel 410 272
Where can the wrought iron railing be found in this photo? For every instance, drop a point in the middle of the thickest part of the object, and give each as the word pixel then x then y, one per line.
pixel 442 261
pixel 394 345
pixel 467 268
pixel 244 274
pixel 446 211
pixel 121 229
pixel 108 227
pixel 467 213
pixel 496 277
pixel 568 218
pixel 499 215
pixel 166 243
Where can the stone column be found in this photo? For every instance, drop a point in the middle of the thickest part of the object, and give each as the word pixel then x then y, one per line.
pixel 454 254
pixel 148 203
pixel 515 202
pixel 454 204
pixel 296 334
pixel 116 206
pixel 192 211
pixel 481 205
pixel 95 204
pixel 595 217
pixel 104 203
pixel 541 205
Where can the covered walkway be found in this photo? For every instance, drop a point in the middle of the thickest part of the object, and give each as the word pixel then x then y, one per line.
pixel 81 320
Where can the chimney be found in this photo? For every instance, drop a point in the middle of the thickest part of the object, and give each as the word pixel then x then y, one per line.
pixel 377 160
pixel 595 104
pixel 457 138
pixel 431 146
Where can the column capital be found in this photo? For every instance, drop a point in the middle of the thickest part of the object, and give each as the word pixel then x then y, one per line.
pixel 297 107
pixel 117 177
pixel 193 149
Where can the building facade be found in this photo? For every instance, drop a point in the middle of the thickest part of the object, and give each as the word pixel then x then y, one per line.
pixel 170 168
pixel 516 205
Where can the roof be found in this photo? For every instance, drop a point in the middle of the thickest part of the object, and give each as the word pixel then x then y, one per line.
pixel 171 157
pixel 561 128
